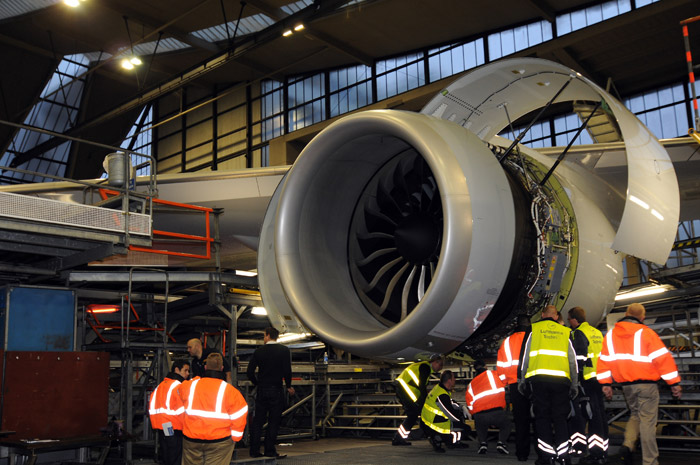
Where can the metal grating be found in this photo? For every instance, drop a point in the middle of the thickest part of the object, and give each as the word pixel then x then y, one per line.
pixel 71 214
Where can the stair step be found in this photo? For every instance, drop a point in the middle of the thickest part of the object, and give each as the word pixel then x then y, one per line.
pixel 373 428
pixel 372 405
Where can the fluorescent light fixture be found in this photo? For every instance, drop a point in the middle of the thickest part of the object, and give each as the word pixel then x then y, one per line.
pixel 71 3
pixel 639 202
pixel 658 215
pixel 246 273
pixel 127 64
pixel 136 61
pixel 103 308
pixel 289 337
pixel 644 291
pixel 259 311
pixel 287 33
pixel 298 27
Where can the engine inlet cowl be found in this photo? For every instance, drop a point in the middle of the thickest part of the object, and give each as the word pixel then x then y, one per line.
pixel 393 234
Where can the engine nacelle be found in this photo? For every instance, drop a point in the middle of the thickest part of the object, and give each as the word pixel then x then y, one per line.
pixel 396 234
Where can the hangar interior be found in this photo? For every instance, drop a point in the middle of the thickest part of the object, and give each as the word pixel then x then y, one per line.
pixel 198 108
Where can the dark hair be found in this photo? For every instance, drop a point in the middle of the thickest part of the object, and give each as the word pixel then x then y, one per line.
pixel 479 366
pixel 446 376
pixel 272 332
pixel 523 322
pixel 179 364
pixel 578 314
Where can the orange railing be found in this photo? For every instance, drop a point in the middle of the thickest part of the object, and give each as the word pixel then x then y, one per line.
pixel 206 239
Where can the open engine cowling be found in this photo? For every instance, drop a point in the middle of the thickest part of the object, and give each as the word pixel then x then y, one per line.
pixel 397 234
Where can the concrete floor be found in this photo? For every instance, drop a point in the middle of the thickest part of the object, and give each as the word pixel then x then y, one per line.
pixel 352 451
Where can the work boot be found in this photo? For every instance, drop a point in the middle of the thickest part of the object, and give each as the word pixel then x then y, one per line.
pixel 483 448
pixel 501 448
pixel 625 455
pixel 591 460
pixel 437 445
pixel 400 442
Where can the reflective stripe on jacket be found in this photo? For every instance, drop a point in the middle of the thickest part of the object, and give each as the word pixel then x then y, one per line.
pixel 632 353
pixel 549 347
pixel 595 345
pixel 509 357
pixel 432 415
pixel 486 392
pixel 162 408
pixel 410 382
pixel 213 409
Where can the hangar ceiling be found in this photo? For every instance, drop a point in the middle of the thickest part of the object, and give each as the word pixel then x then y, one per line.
pixel 636 51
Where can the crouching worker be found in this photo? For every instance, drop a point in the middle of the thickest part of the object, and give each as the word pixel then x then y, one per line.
pixel 441 418
pixel 486 401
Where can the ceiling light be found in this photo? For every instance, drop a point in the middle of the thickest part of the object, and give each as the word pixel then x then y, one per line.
pixel 644 291
pixel 71 3
pixel 289 337
pixel 136 61
pixel 127 64
pixel 298 27
pixel 259 311
pixel 246 273
pixel 287 33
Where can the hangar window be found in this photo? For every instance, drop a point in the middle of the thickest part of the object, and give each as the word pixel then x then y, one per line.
pixel 349 89
pixel 139 140
pixel 305 101
pixel 540 135
pixel 641 3
pixel 664 111
pixel 398 75
pixel 513 40
pixel 272 110
pixel 565 128
pixel 452 59
pixel 579 19
pixel 56 110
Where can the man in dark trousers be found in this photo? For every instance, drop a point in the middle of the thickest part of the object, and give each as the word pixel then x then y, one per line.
pixel 164 416
pixel 548 365
pixel 411 390
pixel 589 406
pixel 274 364
pixel 507 369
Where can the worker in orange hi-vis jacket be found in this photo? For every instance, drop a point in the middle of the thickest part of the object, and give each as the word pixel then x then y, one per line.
pixel 634 356
pixel 214 418
pixel 164 418
pixel 507 369
pixel 486 401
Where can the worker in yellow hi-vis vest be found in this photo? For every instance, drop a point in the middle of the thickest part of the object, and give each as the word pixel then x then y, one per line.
pixel 411 390
pixel 549 366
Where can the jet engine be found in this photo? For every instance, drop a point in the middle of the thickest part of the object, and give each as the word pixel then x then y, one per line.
pixel 397 234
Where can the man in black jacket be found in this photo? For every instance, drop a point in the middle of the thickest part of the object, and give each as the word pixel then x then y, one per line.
pixel 274 364
pixel 199 355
